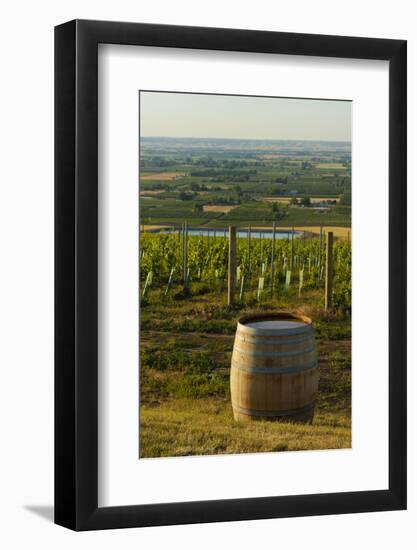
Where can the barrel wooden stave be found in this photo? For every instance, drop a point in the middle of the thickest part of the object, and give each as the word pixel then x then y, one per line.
pixel 259 392
pixel 242 359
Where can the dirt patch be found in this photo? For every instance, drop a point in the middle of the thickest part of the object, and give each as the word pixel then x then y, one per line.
pixel 280 200
pixel 151 192
pixel 222 208
pixel 339 232
pixel 147 227
pixel 162 176
pixel 329 166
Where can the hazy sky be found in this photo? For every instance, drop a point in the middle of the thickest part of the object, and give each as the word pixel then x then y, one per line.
pixel 199 115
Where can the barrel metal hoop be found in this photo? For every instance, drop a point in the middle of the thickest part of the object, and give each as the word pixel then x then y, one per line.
pixel 288 412
pixel 275 354
pixel 305 329
pixel 273 342
pixel 276 370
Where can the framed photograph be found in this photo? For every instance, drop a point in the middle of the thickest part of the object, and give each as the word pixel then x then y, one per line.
pixel 230 253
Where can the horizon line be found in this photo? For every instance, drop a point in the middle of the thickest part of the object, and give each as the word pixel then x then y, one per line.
pixel 251 139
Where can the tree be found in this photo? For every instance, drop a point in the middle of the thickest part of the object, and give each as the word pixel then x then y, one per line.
pixel 277 212
pixel 186 196
pixel 346 199
pixel 238 190
pixel 306 201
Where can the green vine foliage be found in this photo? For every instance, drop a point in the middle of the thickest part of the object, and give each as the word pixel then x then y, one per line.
pixel 208 261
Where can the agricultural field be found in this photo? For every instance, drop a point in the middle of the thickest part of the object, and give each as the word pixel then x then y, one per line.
pixel 163 176
pixel 219 182
pixel 187 331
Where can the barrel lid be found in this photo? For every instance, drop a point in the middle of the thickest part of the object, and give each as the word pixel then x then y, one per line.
pixel 269 324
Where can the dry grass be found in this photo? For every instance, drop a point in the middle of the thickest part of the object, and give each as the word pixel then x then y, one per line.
pixel 162 176
pixel 149 227
pixel 280 200
pixel 329 166
pixel 206 426
pixel 339 232
pixel 151 192
pixel 223 208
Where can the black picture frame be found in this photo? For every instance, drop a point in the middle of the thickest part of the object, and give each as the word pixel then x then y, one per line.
pixel 76 272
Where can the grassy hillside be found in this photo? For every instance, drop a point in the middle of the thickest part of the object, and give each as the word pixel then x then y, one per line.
pixel 186 347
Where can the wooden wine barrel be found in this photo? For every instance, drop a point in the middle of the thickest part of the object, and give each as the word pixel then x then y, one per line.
pixel 274 368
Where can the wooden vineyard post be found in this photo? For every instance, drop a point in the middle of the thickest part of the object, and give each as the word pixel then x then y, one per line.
pixel 328 299
pixel 292 249
pixel 320 255
pixel 272 261
pixel 232 267
pixel 249 232
pixel 186 271
pixel 184 253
